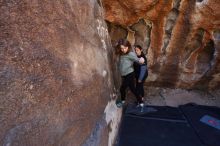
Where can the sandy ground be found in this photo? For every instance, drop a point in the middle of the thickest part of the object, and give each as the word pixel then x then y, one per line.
pixel 176 97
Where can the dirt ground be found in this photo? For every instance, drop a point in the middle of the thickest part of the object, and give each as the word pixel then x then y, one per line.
pixel 175 97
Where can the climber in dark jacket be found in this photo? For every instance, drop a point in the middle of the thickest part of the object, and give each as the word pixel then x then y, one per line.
pixel 141 71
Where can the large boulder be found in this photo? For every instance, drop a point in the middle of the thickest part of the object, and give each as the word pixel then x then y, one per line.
pixel 56 76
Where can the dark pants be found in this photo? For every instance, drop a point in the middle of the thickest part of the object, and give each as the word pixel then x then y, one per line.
pixel 128 81
pixel 140 88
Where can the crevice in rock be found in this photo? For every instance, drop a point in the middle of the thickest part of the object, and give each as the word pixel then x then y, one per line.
pixel 205 58
pixel 216 40
pixel 170 23
pixel 131 36
pixel 99 3
pixel 216 34
pixel 142 33
pixel 199 1
pixel 116 32
pixel 203 64
pixel 176 4
pixel 194 44
pixel 215 64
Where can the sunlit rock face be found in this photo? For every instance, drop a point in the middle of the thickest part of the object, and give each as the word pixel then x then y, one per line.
pixel 181 38
pixel 56 78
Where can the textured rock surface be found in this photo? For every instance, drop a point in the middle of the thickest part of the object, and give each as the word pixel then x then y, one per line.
pixel 55 73
pixel 181 38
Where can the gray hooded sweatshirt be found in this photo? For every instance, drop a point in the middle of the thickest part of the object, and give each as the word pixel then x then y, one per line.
pixel 126 63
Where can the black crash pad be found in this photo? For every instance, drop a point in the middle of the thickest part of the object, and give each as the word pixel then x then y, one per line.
pixel 151 132
pixel 197 115
pixel 187 125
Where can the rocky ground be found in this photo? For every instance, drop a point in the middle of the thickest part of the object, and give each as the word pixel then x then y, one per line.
pixel 175 97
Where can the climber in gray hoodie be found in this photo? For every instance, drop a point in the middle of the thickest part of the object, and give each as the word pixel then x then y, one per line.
pixel 126 60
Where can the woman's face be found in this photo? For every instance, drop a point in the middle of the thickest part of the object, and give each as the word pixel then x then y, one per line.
pixel 138 51
pixel 124 49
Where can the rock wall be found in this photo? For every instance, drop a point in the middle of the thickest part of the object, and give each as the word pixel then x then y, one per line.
pixel 56 74
pixel 181 38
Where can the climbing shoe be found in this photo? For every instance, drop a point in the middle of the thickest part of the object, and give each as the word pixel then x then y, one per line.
pixel 120 104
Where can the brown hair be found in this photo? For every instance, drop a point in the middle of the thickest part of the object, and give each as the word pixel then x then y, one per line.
pixel 123 42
